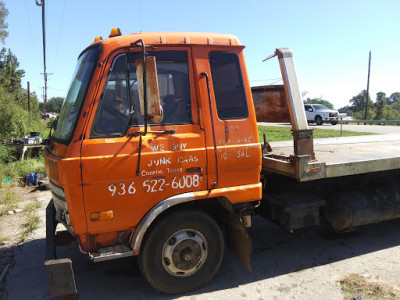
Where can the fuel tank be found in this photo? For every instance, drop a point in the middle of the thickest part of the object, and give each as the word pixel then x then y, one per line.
pixel 363 206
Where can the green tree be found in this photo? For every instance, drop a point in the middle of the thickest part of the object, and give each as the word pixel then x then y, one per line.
pixel 14 119
pixel 3 24
pixel 395 97
pixel 54 104
pixel 10 75
pixel 381 110
pixel 358 102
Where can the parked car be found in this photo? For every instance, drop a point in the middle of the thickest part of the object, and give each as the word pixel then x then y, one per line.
pixel 318 113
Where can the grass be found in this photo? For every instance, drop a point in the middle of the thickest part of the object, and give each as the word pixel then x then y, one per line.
pixel 17 169
pixel 32 220
pixel 277 133
pixel 8 201
pixel 356 285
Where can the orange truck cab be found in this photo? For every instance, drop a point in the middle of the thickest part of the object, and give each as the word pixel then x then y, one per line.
pixel 156 154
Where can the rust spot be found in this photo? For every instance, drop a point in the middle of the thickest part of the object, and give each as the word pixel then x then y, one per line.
pixel 270 103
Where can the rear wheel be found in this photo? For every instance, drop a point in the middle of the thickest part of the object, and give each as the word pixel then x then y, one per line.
pixel 318 120
pixel 182 252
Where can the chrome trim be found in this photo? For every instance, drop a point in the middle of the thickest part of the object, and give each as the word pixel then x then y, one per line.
pixel 57 190
pixel 112 252
pixel 60 202
pixel 145 223
pixel 110 257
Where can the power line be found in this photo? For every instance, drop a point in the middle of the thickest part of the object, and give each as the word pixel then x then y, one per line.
pixel 60 33
pixel 275 80
pixel 30 31
pixel 60 90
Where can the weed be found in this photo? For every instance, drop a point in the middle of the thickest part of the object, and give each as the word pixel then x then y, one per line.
pixel 356 285
pixel 8 201
pixel 32 207
pixel 32 220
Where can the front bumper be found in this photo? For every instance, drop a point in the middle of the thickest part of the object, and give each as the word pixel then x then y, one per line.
pixel 330 119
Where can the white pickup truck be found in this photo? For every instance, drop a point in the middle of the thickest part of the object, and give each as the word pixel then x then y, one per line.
pixel 318 113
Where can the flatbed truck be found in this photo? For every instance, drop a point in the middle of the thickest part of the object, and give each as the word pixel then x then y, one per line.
pixel 156 154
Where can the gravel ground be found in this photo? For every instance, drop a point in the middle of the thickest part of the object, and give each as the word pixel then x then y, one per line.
pixel 305 265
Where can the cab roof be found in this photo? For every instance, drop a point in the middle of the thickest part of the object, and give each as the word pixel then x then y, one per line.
pixel 174 38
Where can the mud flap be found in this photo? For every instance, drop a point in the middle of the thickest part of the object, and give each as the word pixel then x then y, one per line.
pixel 238 238
pixel 59 273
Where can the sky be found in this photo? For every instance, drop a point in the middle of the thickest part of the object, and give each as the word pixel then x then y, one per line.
pixel 330 40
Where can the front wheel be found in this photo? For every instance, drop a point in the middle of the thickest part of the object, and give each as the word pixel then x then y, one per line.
pixel 318 120
pixel 182 252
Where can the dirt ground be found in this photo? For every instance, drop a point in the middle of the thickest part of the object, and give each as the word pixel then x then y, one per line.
pixel 309 264
pixel 13 227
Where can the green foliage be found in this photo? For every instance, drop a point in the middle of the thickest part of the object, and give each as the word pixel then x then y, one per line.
pixel 17 169
pixel 394 98
pixel 10 75
pixel 385 108
pixel 358 102
pixel 3 24
pixel 53 105
pixel 321 101
pixel 361 114
pixel 13 118
pixel 381 109
pixel 8 154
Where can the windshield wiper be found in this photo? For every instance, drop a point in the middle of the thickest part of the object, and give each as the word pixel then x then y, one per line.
pixel 137 133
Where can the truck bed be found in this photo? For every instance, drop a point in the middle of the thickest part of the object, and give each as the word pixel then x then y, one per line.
pixel 335 157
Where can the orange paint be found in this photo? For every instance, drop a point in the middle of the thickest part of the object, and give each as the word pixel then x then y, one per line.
pixel 98 174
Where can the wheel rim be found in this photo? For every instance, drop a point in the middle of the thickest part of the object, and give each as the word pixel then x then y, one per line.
pixel 184 252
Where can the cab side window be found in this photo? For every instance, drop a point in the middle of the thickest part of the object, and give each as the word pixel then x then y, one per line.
pixel 114 112
pixel 120 105
pixel 228 86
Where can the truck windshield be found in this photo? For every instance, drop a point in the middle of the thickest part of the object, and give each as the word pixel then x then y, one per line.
pixel 76 94
pixel 320 107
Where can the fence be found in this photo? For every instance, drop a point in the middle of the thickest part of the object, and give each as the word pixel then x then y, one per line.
pixel 373 122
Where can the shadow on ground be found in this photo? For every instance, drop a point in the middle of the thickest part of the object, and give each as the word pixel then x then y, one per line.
pixel 275 252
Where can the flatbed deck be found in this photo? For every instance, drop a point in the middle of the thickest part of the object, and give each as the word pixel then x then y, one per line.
pixel 335 157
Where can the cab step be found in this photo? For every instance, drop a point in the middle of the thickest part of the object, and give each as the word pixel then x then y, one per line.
pixel 112 252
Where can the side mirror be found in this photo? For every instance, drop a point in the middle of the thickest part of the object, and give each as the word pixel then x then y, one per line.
pixel 310 110
pixel 154 109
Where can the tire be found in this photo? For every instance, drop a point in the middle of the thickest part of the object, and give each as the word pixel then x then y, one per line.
pixel 182 252
pixel 318 120
pixel 333 123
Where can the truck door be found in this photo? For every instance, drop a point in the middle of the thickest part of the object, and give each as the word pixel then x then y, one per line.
pixel 234 152
pixel 125 172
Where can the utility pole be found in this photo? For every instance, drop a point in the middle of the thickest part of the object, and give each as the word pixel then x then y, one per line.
pixel 366 100
pixel 42 4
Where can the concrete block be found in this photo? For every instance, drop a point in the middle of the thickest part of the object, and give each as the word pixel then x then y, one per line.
pixel 60 277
